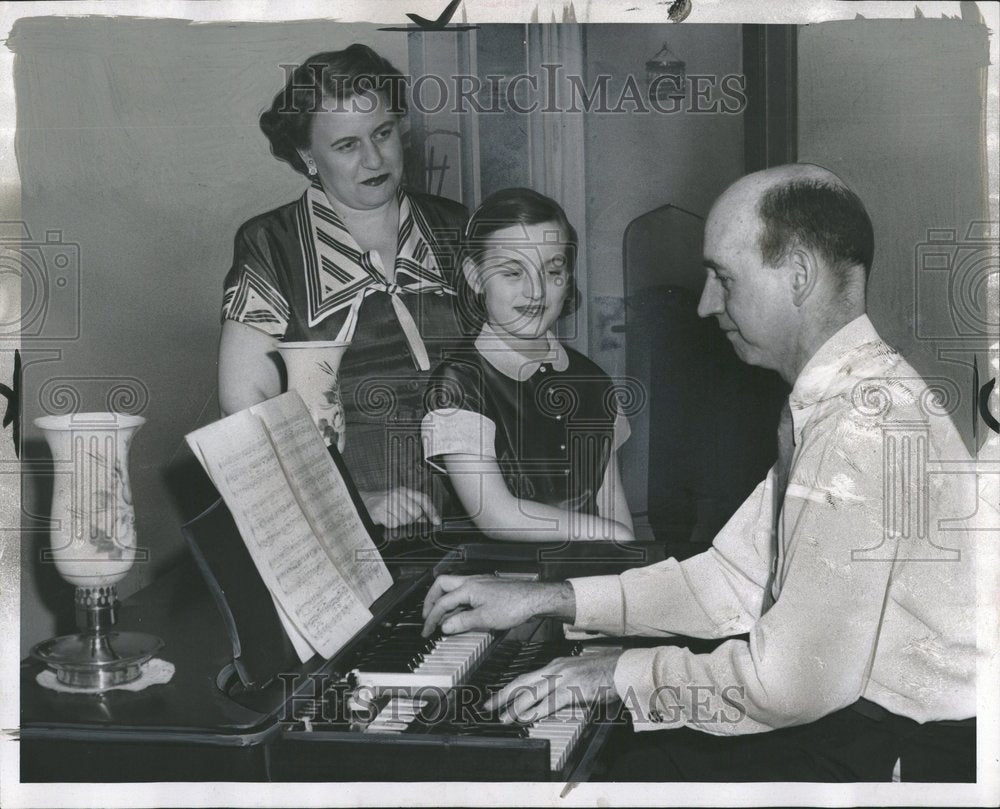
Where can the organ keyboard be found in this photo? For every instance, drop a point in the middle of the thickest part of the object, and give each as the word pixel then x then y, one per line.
pixel 429 692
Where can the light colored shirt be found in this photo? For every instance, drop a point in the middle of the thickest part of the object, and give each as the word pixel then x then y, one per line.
pixel 875 592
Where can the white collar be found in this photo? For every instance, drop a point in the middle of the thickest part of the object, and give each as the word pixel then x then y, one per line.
pixel 853 353
pixel 512 363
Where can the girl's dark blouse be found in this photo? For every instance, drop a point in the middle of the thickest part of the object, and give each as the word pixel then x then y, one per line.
pixel 551 425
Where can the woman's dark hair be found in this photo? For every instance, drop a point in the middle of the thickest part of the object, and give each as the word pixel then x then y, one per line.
pixel 512 206
pixel 324 82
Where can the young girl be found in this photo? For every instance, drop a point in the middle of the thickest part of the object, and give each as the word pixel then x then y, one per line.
pixel 526 429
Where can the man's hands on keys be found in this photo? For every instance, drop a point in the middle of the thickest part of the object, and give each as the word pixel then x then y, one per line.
pixel 565 681
pixel 467 603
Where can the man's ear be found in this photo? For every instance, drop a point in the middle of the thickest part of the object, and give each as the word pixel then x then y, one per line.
pixel 804 270
pixel 473 277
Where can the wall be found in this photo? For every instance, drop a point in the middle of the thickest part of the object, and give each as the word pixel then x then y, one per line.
pixel 682 158
pixel 895 107
pixel 638 162
pixel 138 141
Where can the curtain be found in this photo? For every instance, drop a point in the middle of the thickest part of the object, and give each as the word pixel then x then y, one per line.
pixel 557 144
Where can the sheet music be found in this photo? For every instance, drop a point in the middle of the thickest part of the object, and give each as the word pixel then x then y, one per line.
pixel 300 643
pixel 296 569
pixel 323 496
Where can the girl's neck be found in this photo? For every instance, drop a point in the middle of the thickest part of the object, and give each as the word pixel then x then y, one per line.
pixel 532 347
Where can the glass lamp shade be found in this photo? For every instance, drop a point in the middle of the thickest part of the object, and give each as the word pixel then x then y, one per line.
pixel 93 522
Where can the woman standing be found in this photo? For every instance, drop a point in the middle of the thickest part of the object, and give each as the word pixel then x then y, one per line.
pixel 357 259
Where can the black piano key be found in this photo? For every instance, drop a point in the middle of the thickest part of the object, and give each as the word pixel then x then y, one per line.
pixel 498 730
pixel 390 663
pixel 402 644
pixel 390 645
pixel 391 655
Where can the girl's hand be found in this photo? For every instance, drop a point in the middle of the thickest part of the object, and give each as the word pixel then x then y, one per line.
pixel 622 533
pixel 400 506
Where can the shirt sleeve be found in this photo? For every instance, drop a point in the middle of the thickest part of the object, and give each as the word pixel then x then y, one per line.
pixel 252 291
pixel 717 593
pixel 811 653
pixel 457 422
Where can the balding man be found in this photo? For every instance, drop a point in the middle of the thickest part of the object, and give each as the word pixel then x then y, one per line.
pixel 849 568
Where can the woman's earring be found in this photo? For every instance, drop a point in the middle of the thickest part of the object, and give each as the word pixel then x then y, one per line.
pixel 312 169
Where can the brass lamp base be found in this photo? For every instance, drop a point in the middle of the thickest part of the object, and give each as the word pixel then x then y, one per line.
pixel 97 658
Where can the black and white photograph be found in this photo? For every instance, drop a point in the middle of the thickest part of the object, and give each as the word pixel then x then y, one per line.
pixel 499 403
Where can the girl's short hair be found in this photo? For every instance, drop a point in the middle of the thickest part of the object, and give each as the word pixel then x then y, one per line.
pixel 511 206
pixel 325 81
